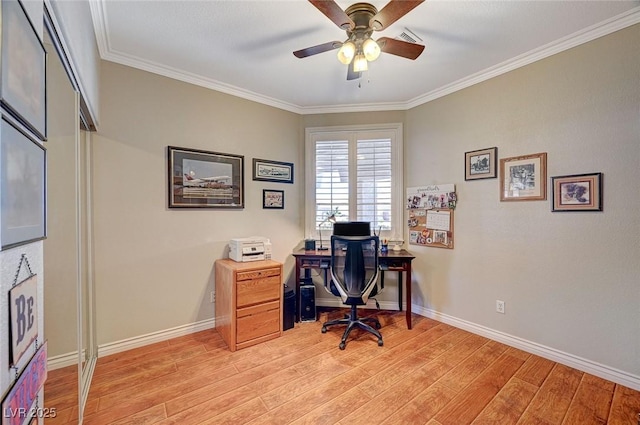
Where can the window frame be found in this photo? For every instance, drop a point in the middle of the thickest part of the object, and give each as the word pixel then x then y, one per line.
pixel 352 133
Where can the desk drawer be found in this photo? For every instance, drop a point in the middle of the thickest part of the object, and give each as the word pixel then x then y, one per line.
pixel 257 274
pixel 258 290
pixel 257 321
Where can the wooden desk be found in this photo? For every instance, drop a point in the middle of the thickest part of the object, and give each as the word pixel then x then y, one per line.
pixel 399 261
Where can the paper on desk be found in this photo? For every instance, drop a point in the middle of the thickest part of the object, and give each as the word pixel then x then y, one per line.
pixel 438 220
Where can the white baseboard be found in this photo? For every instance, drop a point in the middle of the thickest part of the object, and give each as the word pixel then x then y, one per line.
pixel 62 360
pixel 584 365
pixel 69 359
pixel 142 340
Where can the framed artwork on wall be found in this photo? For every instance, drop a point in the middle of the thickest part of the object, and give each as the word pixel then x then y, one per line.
pixel 481 164
pixel 22 69
pixel 273 199
pixel 203 179
pixel 22 187
pixel 577 192
pixel 272 171
pixel 524 178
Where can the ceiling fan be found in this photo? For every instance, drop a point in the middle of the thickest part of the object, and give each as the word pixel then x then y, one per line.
pixel 360 20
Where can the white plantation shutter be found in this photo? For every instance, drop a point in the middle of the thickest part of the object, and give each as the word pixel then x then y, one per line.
pixel 374 176
pixel 332 179
pixel 356 173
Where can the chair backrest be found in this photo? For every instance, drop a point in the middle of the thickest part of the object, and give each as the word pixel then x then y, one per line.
pixel 354 267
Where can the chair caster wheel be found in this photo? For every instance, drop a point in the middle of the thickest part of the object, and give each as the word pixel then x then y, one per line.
pixel 342 346
pixel 323 330
pixel 380 343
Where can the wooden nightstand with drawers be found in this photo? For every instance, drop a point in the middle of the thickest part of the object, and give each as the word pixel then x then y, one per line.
pixel 248 302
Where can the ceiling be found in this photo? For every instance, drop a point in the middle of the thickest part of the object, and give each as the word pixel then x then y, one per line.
pixel 244 48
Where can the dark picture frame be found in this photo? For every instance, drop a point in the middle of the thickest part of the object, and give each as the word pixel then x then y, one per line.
pixel 205 179
pixel 22 186
pixel 23 69
pixel 524 178
pixel 481 164
pixel 272 171
pixel 273 199
pixel 577 192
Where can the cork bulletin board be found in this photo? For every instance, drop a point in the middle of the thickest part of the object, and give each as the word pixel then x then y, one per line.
pixel 431 215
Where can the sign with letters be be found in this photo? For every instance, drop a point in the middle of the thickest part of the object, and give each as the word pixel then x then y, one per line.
pixel 23 308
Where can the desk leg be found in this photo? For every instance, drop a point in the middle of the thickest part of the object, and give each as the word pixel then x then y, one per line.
pixel 408 291
pixel 297 290
pixel 399 291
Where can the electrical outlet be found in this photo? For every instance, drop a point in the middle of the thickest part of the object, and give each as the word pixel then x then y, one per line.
pixel 213 296
pixel 500 306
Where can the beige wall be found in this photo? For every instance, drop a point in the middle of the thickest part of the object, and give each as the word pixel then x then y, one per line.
pixel 154 266
pixel 569 280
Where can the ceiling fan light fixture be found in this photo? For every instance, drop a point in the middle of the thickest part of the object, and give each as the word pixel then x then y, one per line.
pixel 360 63
pixel 370 49
pixel 347 52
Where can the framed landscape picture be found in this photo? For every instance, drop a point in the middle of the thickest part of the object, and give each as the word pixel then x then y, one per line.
pixel 272 171
pixel 577 192
pixel 524 178
pixel 203 179
pixel 481 164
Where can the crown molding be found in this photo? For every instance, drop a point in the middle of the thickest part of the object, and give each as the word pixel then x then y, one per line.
pixel 616 23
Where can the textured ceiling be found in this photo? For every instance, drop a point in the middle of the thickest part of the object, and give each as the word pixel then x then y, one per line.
pixel 245 47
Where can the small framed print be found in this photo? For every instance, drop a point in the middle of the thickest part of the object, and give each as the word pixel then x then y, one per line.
pixel 272 171
pixel 524 178
pixel 577 192
pixel 481 164
pixel 273 199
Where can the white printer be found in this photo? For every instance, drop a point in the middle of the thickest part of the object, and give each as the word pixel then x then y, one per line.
pixel 253 248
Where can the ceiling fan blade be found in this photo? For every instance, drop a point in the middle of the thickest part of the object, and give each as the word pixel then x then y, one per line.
pixel 320 48
pixel 334 12
pixel 393 11
pixel 400 48
pixel 351 74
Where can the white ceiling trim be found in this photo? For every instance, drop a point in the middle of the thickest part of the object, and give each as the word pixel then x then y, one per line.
pixel 107 53
pixel 601 29
pixel 624 20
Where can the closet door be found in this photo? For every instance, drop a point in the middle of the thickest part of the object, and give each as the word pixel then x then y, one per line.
pixel 68 296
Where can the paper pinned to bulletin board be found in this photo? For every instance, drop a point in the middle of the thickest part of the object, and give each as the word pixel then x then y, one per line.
pixel 431 215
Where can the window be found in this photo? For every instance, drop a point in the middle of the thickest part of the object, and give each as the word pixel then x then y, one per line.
pixel 355 172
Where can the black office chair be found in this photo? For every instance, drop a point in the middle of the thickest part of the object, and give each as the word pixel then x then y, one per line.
pixel 354 278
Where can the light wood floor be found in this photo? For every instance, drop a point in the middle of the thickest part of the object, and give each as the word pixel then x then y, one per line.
pixel 434 374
